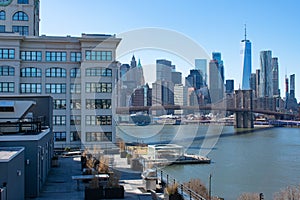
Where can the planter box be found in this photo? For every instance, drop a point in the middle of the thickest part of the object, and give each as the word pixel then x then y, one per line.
pixel 93 194
pixel 123 154
pixel 114 193
pixel 54 162
pixel 175 196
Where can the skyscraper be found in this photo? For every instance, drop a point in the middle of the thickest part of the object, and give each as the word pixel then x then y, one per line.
pixel 194 79
pixel 217 56
pixel 201 65
pixel 292 86
pixel 266 74
pixel 275 76
pixel 164 70
pixel 253 83
pixel 246 61
pixel 229 86
pixel 215 86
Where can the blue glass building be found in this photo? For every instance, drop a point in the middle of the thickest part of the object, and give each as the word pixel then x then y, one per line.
pixel 246 62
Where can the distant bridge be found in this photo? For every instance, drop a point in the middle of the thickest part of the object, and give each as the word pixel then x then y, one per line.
pixel 134 109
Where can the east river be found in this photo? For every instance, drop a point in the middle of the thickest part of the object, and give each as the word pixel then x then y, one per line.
pixel 260 161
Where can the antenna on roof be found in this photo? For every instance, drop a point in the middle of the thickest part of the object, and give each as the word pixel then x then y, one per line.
pixel 245 32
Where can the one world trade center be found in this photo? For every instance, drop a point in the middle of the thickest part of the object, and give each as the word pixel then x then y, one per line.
pixel 246 61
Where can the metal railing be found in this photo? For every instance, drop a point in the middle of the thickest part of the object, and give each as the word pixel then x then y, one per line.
pixel 185 191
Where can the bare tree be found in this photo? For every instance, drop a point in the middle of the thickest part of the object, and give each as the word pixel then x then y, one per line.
pixel 198 187
pixel 249 196
pixel 288 193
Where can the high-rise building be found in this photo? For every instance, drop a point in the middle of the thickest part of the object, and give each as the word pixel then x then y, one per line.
pixel 275 80
pixel 266 74
pixel 194 79
pixel 180 97
pixel 79 73
pixel 164 70
pixel 162 94
pixel 257 92
pixel 217 56
pixel 20 16
pixel 177 77
pixel 229 86
pixel 246 62
pixel 292 86
pixel 253 84
pixel 201 65
pixel 215 86
pixel 142 96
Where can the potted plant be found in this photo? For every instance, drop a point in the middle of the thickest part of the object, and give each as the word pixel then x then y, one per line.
pixel 171 192
pixel 123 152
pixel 129 157
pixel 94 190
pixel 113 190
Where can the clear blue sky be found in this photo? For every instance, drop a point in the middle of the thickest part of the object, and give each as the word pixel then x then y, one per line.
pixel 216 25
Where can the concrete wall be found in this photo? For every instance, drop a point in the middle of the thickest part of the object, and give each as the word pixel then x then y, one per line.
pixel 38 154
pixel 12 173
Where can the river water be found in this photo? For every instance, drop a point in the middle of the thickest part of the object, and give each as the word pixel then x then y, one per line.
pixel 264 160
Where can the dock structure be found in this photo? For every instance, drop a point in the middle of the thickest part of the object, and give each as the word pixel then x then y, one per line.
pixel 168 154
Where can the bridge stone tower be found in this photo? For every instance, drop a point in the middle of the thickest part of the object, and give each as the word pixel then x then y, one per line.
pixel 244 105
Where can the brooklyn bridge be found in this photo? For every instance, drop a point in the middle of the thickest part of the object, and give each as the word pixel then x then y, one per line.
pixel 241 105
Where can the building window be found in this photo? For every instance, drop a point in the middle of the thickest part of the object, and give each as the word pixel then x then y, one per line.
pixel 22 1
pixel 31 72
pixel 2 29
pixel 75 88
pixel 98 72
pixel 7 54
pixel 59 120
pixel 98 120
pixel 31 55
pixel 59 136
pixel 98 55
pixel 22 30
pixel 75 72
pixel 59 104
pixel 7 71
pixel 20 16
pixel 56 72
pixel 75 136
pixel 98 136
pixel 31 88
pixel 98 87
pixel 75 104
pixel 75 56
pixel 98 104
pixel 75 120
pixel 56 56
pixel 2 15
pixel 56 88
pixel 7 87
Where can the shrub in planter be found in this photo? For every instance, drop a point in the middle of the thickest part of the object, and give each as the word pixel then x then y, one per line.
pixel 94 191
pixel 129 157
pixel 171 192
pixel 114 192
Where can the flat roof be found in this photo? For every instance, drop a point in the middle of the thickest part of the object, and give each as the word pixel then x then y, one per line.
pixel 8 153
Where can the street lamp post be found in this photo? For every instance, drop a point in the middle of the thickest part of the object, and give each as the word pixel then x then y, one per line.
pixel 209 187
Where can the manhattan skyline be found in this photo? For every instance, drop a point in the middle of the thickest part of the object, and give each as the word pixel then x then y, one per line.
pixel 216 26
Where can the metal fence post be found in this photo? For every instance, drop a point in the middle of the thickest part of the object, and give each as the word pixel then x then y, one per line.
pixel 181 187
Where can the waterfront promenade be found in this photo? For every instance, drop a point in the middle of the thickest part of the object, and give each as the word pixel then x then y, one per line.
pixel 60 186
